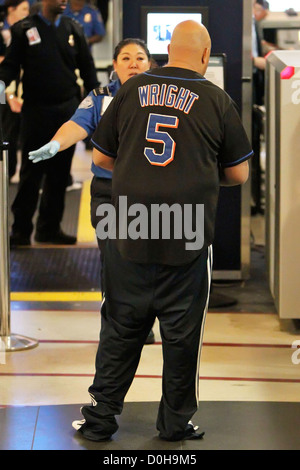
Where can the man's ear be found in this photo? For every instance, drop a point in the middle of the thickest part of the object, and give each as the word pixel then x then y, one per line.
pixel 205 55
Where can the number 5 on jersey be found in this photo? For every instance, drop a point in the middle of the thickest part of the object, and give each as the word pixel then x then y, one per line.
pixel 153 134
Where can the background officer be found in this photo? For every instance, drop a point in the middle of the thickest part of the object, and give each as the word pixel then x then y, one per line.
pixel 90 19
pixel 49 47
pixel 14 10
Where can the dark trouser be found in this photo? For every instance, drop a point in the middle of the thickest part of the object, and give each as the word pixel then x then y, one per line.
pixel 134 295
pixel 100 194
pixel 38 125
pixel 11 132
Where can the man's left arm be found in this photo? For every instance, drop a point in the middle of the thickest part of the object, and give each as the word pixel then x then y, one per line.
pixel 235 151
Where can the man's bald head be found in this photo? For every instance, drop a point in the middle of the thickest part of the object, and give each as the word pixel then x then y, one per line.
pixel 190 46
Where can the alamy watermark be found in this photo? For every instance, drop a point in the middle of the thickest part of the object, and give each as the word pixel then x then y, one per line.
pixel 159 221
pixel 296 354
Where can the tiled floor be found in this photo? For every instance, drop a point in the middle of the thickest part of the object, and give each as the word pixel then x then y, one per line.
pixel 249 385
pixel 244 357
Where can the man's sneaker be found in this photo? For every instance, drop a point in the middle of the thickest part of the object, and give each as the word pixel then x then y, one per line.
pixel 17 239
pixel 190 433
pixel 58 238
pixel 77 424
pixel 74 186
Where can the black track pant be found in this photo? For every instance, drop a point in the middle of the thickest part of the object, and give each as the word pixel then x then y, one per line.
pixel 134 295
pixel 100 194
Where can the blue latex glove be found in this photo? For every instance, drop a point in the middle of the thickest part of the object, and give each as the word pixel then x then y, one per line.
pixel 45 152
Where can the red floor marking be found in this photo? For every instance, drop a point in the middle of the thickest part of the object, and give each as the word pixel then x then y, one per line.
pixel 237 379
pixel 68 341
pixel 235 345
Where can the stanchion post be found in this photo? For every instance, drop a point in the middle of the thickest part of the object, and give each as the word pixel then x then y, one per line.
pixel 8 341
pixel 4 257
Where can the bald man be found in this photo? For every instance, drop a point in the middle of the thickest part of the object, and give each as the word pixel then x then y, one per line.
pixel 171 138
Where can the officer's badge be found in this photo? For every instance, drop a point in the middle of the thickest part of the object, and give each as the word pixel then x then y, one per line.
pixel 87 18
pixel 71 40
pixel 33 36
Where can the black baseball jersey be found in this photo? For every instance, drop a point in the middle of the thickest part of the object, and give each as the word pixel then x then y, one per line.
pixel 169 130
pixel 49 55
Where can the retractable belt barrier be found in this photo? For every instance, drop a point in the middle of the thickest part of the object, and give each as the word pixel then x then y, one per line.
pixel 9 342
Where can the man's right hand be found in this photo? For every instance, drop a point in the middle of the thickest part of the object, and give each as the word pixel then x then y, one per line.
pixel 45 152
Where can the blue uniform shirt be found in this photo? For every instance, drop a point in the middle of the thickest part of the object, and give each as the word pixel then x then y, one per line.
pixel 88 115
pixel 48 22
pixel 5 24
pixel 89 18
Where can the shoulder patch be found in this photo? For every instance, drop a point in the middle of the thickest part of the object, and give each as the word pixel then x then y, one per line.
pixel 86 103
pixel 102 90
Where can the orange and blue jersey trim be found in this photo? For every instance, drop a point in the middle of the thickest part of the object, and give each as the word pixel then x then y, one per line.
pixel 102 150
pixel 240 160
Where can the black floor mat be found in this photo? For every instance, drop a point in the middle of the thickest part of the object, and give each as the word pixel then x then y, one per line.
pixel 55 270
pixel 228 426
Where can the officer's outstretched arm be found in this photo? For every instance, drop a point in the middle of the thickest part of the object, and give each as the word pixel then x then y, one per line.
pixel 67 135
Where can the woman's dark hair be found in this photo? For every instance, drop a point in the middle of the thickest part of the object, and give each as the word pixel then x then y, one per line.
pixel 125 42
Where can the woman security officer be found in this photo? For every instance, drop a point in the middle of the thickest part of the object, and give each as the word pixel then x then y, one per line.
pixel 131 57
pixel 49 47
